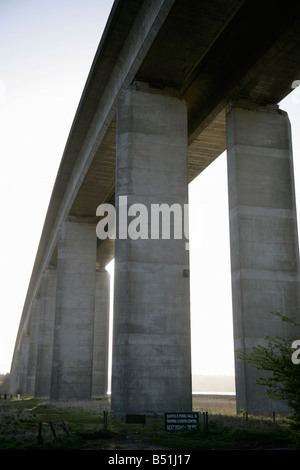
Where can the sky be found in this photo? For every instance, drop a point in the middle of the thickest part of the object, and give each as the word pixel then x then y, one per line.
pixel 46 51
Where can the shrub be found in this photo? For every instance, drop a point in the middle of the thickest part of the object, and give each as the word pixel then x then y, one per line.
pixel 283 381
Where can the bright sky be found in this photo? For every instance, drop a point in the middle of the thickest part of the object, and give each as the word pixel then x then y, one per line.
pixel 46 51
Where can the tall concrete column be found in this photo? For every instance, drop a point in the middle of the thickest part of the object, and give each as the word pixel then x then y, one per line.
pixel 33 345
pixel 14 376
pixel 24 362
pixel 46 333
pixel 264 241
pixel 151 364
pixel 74 311
pixel 101 334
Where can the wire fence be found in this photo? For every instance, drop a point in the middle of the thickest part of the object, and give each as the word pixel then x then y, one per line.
pixel 154 422
pixel 177 422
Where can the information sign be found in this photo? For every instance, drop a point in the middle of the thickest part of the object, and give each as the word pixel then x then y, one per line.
pixel 181 421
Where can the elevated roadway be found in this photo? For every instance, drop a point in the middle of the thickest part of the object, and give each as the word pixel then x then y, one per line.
pixel 213 54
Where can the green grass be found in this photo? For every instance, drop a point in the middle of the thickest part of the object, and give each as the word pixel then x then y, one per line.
pixel 224 438
pixel 19 425
pixel 228 431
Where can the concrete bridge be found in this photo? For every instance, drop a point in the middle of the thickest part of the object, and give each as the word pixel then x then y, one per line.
pixel 173 84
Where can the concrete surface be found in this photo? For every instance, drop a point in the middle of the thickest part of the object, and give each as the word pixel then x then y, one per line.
pixel 264 238
pixel 46 334
pixel 151 368
pixel 74 312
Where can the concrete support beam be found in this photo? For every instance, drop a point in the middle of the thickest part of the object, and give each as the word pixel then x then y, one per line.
pixel 24 362
pixel 74 311
pixel 264 241
pixel 151 364
pixel 46 333
pixel 101 334
pixel 33 345
pixel 14 377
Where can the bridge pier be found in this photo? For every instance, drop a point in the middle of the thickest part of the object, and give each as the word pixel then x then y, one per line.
pixel 264 240
pixel 14 378
pixel 23 367
pixel 74 313
pixel 46 333
pixel 151 363
pixel 33 342
pixel 101 334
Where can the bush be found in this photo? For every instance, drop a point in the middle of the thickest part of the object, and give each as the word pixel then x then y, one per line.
pixel 283 382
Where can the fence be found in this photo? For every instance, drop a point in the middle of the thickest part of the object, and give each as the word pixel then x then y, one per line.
pixel 154 422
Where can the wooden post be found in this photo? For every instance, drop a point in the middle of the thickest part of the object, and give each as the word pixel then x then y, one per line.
pixel 39 436
pixel 65 428
pixel 105 414
pixel 52 429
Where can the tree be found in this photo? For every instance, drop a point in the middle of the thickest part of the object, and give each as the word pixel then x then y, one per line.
pixel 281 358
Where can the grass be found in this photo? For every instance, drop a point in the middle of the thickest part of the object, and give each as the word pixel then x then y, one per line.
pixel 226 437
pixel 20 421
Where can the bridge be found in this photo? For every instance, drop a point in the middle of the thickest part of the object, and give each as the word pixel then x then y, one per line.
pixel 173 84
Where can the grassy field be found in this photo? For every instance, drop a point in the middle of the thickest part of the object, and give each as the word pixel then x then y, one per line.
pixel 31 424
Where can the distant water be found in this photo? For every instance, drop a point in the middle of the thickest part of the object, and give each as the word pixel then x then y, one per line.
pixel 214 393
pixel 202 393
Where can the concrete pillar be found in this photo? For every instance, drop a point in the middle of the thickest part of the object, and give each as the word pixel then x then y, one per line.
pixel 74 311
pixel 151 364
pixel 264 241
pixel 46 333
pixel 33 345
pixel 24 363
pixel 14 376
pixel 101 334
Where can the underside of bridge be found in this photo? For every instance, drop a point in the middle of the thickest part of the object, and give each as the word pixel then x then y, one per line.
pixel 213 55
